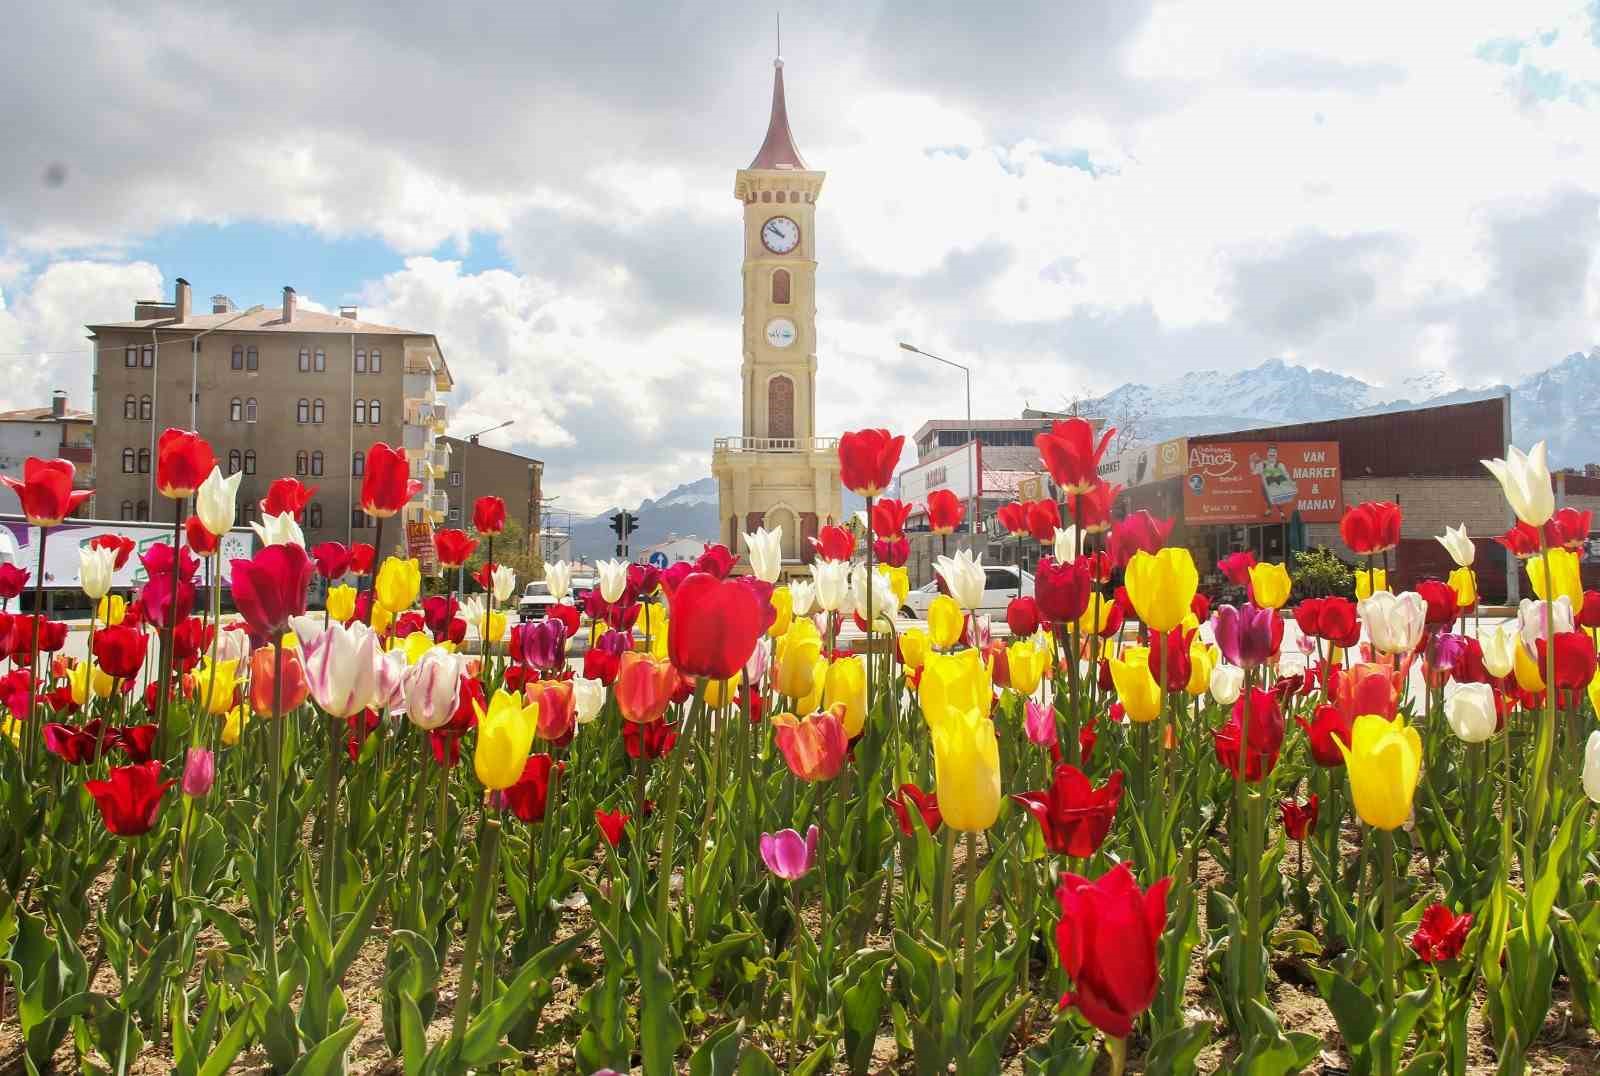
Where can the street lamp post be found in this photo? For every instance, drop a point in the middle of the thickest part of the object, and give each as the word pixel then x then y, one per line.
pixel 466 457
pixel 972 434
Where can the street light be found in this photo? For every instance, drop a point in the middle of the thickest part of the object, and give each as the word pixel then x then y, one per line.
pixel 972 434
pixel 466 456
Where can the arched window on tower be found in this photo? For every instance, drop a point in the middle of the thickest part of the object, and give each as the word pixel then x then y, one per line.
pixel 780 407
pixel 780 285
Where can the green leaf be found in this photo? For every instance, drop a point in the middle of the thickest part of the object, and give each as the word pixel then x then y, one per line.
pixel 1175 1052
pixel 326 1058
pixel 718 1055
pixel 355 932
pixel 228 1047
pixel 1354 1012
pixel 755 1062
pixel 865 993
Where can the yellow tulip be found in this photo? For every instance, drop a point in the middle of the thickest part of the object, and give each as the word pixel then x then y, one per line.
pixel 505 736
pixel 846 685
pixel 1096 616
pixel 1270 585
pixel 341 602
pixel 416 644
pixel 11 729
pixel 234 724
pixel 82 682
pixel 290 640
pixel 112 608
pixel 398 583
pixel 1026 664
pixel 795 658
pixel 952 683
pixel 722 692
pixel 899 582
pixel 945 622
pixel 1384 760
pixel 1137 690
pixel 497 626
pixel 1367 582
pixel 1564 570
pixel 1465 586
pixel 214 687
pixel 1201 662
pixel 381 618
pixel 1161 586
pixel 1530 677
pixel 914 645
pixel 966 769
pixel 811 702
pixel 783 610
pixel 1594 692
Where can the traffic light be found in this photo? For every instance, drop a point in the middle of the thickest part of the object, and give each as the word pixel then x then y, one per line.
pixel 623 524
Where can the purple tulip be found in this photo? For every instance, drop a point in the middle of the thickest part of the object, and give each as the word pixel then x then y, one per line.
pixel 789 855
pixel 199 772
pixel 1247 636
pixel 542 645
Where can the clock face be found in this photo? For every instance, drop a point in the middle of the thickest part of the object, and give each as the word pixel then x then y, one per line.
pixel 780 235
pixel 781 332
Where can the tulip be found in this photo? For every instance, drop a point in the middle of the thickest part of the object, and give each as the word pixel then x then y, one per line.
pixel 1499 649
pixel 1101 616
pixel 789 855
pixel 1162 586
pixel 199 772
pixel 945 511
pixel 1384 759
pixel 542 644
pixel 1044 519
pixel 912 647
pixel 387 486
pixel 946 622
pixel 1107 940
pixel 814 746
pixel 885 600
pixel 889 517
pixel 1521 541
pixel 1574 659
pixel 1092 510
pixel 505 736
pixel 1299 819
pixel 954 683
pixel 650 741
pixel 1027 665
pixel 1371 582
pixel 1458 545
pixel 503 582
pixel 867 461
pixel 120 650
pixel 558 579
pixel 1441 934
pixel 1370 528
pixel 715 625
pixel 1535 619
pixel 1225 683
pixel 797 655
pixel 1525 480
pixel 963 575
pixel 1564 570
pixel 183 460
pixel 588 696
pixel 453 546
pixel 270 587
pixel 1270 585
pixel 1061 589
pixel 926 804
pixel 1022 616
pixel 95 569
pixel 644 687
pixel 489 515
pixel 612 825
pixel 765 550
pixel 1139 532
pixel 341 665
pixel 1202 660
pixel 1470 709
pixel 1039 723
pixel 613 579
pixel 84 680
pixel 295 688
pixel 280 529
pixel 966 766
pixel 557 708
pixel 1071 455
pixel 1591 766
pixel 121 545
pixel 1137 690
pixel 398 583
pixel 201 541
pixel 529 798
pixel 46 492
pixel 1247 637
pixel 845 690
pixel 341 604
pixel 1394 624
pixel 1074 816
pixel 832 581
pixel 432 688
pixel 130 798
pixel 215 500
pixel 1256 746
pixel 1465 586
pixel 215 686
pixel 834 543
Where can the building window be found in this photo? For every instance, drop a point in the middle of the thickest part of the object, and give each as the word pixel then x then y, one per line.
pixel 144 407
pixel 316 462
pixel 130 407
pixel 237 361
pixel 305 360
pixel 302 411
pixel 361 412
pixel 130 358
pixel 314 516
pixel 147 358
pixel 235 409
pixel 142 511
pixel 235 461
pixel 250 461
pixel 317 411
pixel 129 463
pixel 358 464
pixel 374 408
pixel 375 364
pixel 127 509
pixel 455 478
pixel 455 515
pixel 252 361
pixel 322 360
pixel 358 519
pixel 780 285
pixel 144 464
pixel 361 360
pixel 250 409
pixel 301 460
pixel 780 407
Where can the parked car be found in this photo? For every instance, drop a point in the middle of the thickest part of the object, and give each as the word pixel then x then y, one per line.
pixel 999 587
pixel 536 601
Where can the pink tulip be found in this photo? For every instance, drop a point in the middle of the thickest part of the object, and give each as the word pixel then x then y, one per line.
pixel 1040 723
pixel 789 855
pixel 199 772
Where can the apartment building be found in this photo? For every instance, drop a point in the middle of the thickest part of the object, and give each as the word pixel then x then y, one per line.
pixel 277 391
pixel 476 470
pixel 54 432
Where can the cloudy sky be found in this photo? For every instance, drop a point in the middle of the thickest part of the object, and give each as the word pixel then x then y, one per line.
pixel 1066 196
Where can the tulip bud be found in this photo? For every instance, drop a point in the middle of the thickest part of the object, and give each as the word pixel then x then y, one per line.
pixel 199 772
pixel 95 568
pixel 505 582
pixel 765 550
pixel 215 499
pixel 588 696
pixel 1591 767
pixel 1471 712
pixel 1226 683
pixel 1525 479
pixel 964 577
pixel 558 579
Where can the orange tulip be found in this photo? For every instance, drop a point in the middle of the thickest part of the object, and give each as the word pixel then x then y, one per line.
pixel 295 685
pixel 557 709
pixel 644 686
pixel 814 746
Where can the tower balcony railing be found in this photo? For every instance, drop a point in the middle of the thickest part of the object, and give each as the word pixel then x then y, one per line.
pixel 775 444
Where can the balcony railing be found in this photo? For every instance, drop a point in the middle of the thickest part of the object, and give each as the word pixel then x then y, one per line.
pixel 441 417
pixel 775 444
pixel 438 505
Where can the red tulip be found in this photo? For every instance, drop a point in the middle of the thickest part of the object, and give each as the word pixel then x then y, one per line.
pixel 1091 510
pixel 1044 519
pixel 612 825
pixel 1588 615
pixel 121 544
pixel 13 580
pixel 1265 737
pixel 926 804
pixel 1575 659
pixel 529 798
pixel 1441 599
pixel 1299 819
pixel 715 625
pixel 1339 623
pixel 489 515
pixel 75 744
pixel 649 741
pixel 1327 724
pixel 892 551
pixel 1371 527
pixel 183 460
pixel 1022 616
pixel 1071 455
pixel 1308 617
pixel 1200 606
pixel 52 636
pixel 1441 934
pixel 715 560
pixel 1014 518
pixel 834 542
pixel 362 554
pixel 270 587
pixel 1175 644
pixel 1522 541
pixel 200 540
pixel 156 596
pixel 945 511
pixel 1074 816
pixel 1568 528
pixel 388 485
pixel 889 517
pixel 332 560
pixel 120 650
pixel 137 741
pixel 1061 591
pixel 130 800
pixel 1138 532
pixel 287 495
pixel 46 491
pixel 454 546
pixel 867 459
pixel 1107 941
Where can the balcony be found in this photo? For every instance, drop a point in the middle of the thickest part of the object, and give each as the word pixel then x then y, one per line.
pixel 441 416
pixel 438 506
pixel 418 387
pixel 416 439
pixel 439 461
pixel 775 444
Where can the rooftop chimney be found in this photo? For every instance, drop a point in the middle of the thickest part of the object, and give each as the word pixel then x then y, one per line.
pixel 183 302
pixel 58 404
pixel 348 313
pixel 288 304
pixel 221 304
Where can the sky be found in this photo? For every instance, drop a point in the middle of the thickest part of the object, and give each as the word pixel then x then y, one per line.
pixel 1063 196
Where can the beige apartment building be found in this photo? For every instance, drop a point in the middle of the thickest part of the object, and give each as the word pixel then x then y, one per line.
pixel 276 391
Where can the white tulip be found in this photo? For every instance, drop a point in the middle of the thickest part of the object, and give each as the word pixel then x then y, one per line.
pixel 1458 545
pixel 389 670
pixel 1499 649
pixel 613 578
pixel 756 665
pixel 558 578
pixel 432 688
pixel 765 549
pixel 95 569
pixel 473 609
pixel 802 596
pixel 832 580
pixel 1066 544
pixel 280 529
pixel 883 597
pixel 1226 683
pixel 505 582
pixel 1531 620
pixel 1394 623
pixel 215 499
pixel 963 576
pixel 1526 482
pixel 587 698
pixel 341 664
pixel 1591 767
pixel 1471 712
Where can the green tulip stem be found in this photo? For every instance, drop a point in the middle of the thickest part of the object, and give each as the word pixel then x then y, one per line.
pixel 1386 983
pixel 488 613
pixel 969 954
pixel 1117 1051
pixel 488 859
pixel 269 935
pixel 330 821
pixel 127 965
pixel 868 587
pixel 1539 787
pixel 669 812
pixel 946 886
pixel 1246 862
pixel 167 633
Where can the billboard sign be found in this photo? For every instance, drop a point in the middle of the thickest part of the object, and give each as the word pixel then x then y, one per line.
pixel 959 471
pixel 61 562
pixel 1262 482
pixel 1140 464
pixel 420 547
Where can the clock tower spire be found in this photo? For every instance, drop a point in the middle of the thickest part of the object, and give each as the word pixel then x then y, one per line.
pixel 778 472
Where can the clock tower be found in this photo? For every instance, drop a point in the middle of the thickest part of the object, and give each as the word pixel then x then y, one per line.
pixel 778 472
